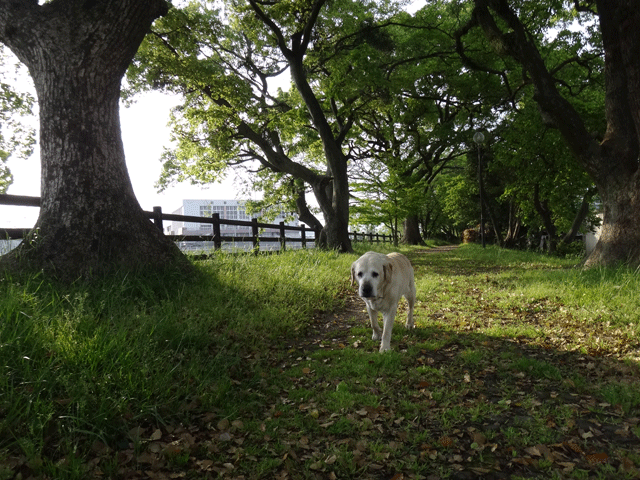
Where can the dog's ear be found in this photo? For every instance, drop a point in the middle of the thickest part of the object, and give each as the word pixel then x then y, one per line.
pixel 387 270
pixel 353 274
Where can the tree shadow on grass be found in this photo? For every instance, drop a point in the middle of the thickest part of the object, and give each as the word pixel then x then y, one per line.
pixel 471 393
pixel 489 406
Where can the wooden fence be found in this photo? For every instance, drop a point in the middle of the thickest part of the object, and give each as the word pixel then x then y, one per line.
pixel 256 238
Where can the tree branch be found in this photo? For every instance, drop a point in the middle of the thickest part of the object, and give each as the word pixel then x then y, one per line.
pixel 282 44
pixel 518 44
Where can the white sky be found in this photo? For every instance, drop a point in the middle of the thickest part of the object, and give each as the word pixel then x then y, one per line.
pixel 144 134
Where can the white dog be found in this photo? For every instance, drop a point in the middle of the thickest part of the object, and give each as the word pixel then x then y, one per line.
pixel 382 280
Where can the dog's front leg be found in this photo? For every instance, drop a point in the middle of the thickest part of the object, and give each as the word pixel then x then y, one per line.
pixel 373 317
pixel 387 318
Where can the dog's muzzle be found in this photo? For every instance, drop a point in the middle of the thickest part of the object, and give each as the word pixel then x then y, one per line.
pixel 366 291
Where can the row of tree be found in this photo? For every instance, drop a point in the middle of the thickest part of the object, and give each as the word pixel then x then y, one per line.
pixel 377 123
pixel 377 102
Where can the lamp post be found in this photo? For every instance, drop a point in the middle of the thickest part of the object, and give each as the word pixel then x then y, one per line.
pixel 478 137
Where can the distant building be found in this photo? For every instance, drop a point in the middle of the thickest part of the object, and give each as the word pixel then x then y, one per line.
pixel 227 209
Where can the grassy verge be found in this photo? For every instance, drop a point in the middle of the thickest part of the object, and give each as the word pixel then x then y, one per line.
pixel 521 366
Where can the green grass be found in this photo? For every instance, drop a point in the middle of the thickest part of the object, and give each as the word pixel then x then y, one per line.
pixel 234 373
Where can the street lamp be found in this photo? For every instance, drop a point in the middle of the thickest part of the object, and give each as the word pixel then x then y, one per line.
pixel 478 137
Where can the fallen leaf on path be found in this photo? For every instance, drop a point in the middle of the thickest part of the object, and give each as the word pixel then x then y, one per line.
pixel 597 458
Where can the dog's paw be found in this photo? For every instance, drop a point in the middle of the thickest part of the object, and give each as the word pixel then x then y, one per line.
pixel 375 336
pixel 385 348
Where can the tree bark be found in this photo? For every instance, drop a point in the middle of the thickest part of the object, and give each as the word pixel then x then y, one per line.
pixel 619 240
pixel 412 231
pixel 77 52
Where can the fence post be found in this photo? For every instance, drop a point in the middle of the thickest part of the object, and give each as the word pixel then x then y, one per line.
pixel 157 218
pixel 254 235
pixel 217 237
pixel 283 238
pixel 303 237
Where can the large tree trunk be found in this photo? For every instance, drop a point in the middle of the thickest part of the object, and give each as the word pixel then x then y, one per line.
pixel 619 240
pixel 340 208
pixel 412 231
pixel 335 208
pixel 77 52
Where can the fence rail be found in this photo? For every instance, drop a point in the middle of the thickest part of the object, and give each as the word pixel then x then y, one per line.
pixel 158 217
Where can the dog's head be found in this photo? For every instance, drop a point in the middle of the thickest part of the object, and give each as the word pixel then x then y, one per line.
pixel 372 271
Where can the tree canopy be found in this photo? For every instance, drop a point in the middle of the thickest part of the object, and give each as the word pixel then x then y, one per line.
pixel 225 62
pixel 388 100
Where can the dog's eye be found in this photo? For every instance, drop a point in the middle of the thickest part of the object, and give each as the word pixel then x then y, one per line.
pixel 360 274
pixel 375 274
